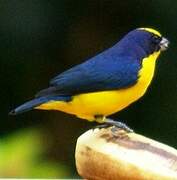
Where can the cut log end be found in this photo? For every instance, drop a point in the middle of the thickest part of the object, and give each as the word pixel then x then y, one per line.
pixel 101 154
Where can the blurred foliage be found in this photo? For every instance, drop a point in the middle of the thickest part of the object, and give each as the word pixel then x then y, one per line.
pixel 22 155
pixel 41 38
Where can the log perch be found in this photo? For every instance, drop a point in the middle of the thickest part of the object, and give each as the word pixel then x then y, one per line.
pixel 101 154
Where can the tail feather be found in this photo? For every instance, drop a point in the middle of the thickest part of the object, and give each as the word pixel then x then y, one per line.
pixel 36 102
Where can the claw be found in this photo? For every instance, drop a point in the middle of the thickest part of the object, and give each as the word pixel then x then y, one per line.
pixel 119 125
pixel 105 125
pixel 116 126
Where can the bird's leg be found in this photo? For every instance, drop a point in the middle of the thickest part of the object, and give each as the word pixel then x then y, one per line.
pixel 100 126
pixel 106 122
pixel 101 119
pixel 118 124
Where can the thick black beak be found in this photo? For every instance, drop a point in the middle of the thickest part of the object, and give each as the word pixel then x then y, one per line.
pixel 164 44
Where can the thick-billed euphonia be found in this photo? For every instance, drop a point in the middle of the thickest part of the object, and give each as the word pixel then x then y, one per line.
pixel 106 83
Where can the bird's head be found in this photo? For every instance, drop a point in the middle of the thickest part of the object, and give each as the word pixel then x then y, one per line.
pixel 149 40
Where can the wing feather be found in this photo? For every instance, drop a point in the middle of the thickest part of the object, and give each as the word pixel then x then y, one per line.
pixel 98 74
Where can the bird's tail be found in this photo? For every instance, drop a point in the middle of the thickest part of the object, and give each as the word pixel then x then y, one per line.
pixel 36 102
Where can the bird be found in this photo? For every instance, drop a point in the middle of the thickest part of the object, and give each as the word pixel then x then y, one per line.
pixel 106 83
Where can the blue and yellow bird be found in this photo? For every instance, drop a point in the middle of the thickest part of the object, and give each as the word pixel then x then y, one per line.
pixel 106 83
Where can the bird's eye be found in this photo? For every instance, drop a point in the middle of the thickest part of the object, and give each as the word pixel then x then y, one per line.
pixel 156 39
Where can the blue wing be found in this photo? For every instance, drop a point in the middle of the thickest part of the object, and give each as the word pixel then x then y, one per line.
pixel 100 73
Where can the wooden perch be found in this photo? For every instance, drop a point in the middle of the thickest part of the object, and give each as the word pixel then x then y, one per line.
pixel 100 154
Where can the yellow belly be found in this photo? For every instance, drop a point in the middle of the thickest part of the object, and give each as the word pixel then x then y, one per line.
pixel 87 105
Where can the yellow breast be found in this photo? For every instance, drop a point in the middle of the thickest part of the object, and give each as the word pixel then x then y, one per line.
pixel 87 105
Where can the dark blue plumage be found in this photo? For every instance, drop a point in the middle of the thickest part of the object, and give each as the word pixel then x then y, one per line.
pixel 98 75
pixel 38 101
pixel 115 68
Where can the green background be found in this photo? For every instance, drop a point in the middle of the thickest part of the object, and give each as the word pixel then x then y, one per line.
pixel 39 39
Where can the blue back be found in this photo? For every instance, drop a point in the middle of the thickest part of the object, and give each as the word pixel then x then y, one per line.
pixel 115 68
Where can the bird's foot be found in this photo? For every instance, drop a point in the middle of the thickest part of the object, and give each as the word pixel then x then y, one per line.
pixel 118 125
pixel 100 126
